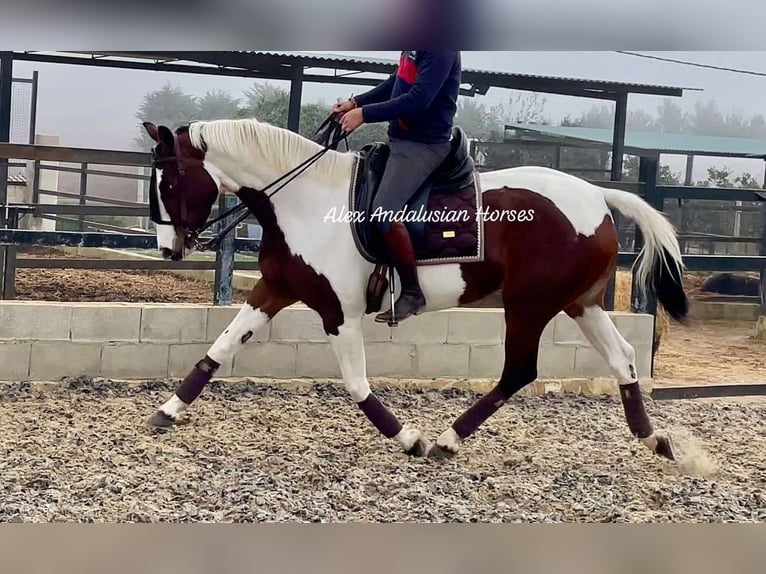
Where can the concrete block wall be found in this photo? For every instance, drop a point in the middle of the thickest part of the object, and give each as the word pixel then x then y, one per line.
pixel 48 341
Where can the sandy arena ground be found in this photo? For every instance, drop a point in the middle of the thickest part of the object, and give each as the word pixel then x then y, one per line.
pixel 256 452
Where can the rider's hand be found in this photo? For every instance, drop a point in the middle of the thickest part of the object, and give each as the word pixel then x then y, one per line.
pixel 343 107
pixel 352 120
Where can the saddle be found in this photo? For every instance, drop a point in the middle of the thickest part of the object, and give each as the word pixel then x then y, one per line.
pixel 443 213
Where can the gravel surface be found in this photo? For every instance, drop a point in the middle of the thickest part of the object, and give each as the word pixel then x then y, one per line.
pixel 261 452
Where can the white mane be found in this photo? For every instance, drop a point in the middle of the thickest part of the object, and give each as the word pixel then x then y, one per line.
pixel 281 149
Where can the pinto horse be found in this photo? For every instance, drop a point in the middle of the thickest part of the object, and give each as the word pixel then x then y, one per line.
pixel 561 260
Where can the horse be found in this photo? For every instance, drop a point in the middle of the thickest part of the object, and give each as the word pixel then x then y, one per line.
pixel 560 260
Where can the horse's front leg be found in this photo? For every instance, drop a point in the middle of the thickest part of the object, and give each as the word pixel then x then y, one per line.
pixel 262 304
pixel 348 346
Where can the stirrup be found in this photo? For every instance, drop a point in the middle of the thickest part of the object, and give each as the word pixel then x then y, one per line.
pixel 392 322
pixel 389 317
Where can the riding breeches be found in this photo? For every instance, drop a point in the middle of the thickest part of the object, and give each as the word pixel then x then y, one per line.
pixel 409 165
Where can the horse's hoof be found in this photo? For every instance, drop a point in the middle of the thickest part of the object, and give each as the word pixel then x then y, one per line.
pixel 441 452
pixel 160 421
pixel 419 449
pixel 664 447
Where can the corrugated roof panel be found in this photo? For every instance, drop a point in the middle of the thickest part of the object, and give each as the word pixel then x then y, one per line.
pixel 341 58
pixel 220 59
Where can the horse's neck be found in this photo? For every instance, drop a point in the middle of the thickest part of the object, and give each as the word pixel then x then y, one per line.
pixel 305 201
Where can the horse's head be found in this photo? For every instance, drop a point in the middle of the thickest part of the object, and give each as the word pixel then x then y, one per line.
pixel 181 198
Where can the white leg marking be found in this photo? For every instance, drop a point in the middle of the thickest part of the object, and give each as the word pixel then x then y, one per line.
pixel 449 440
pixel 248 320
pixel 607 340
pixel 650 442
pixel 348 346
pixel 174 407
pixel 618 353
pixel 407 437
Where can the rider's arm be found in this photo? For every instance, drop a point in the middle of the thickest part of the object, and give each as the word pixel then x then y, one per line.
pixel 379 93
pixel 432 73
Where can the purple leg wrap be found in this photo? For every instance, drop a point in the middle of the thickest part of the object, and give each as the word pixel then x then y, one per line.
pixel 383 419
pixel 196 380
pixel 480 411
pixel 633 404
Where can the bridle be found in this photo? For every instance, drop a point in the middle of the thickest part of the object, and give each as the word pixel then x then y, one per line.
pixel 330 138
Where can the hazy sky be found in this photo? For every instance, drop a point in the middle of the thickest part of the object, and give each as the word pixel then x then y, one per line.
pixel 95 107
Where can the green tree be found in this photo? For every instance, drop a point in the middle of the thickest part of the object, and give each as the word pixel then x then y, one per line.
pixel 475 119
pixel 671 118
pixel 266 103
pixel 747 180
pixel 218 105
pixel 640 120
pixel 665 175
pixel 717 177
pixel 169 106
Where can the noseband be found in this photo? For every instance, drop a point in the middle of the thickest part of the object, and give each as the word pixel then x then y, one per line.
pixel 329 139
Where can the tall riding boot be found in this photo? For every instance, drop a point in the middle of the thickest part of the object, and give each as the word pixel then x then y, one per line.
pixel 411 299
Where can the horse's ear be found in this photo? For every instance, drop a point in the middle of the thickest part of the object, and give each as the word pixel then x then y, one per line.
pixel 151 129
pixel 167 137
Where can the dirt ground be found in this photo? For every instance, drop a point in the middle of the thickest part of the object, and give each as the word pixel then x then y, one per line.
pixel 107 285
pixel 265 453
pixel 709 352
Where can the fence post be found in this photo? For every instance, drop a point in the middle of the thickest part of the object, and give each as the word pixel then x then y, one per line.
pixel 618 154
pixel 224 258
pixel 7 253
pixel 8 279
pixel 647 174
pixel 83 192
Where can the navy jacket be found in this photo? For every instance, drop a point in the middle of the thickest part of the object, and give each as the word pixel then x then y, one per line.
pixel 419 100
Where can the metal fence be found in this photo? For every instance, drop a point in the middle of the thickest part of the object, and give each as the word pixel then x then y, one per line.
pixel 83 213
pixel 83 209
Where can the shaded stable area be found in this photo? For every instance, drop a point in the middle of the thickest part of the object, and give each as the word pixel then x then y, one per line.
pixel 295 67
pixel 677 201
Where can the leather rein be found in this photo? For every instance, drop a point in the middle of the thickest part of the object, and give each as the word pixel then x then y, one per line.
pixel 330 138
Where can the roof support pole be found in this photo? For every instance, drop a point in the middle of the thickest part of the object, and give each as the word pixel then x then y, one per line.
pixel 618 138
pixel 6 79
pixel 7 253
pixel 296 93
pixel 618 153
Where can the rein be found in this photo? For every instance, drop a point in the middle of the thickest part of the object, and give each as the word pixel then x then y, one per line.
pixel 329 139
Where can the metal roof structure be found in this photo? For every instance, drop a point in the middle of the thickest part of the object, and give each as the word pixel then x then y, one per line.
pixel 318 67
pixel 640 143
pixel 339 69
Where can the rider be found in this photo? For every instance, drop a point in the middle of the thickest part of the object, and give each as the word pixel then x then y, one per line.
pixel 419 101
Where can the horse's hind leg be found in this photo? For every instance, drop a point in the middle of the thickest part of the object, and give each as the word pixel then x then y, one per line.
pixel 521 348
pixel 262 304
pixel 621 358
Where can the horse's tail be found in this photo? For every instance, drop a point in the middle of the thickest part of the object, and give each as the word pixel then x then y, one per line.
pixel 659 265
